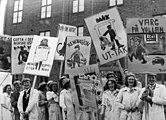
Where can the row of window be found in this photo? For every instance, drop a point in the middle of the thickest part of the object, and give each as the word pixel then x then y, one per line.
pixel 78 6
pixel 80 32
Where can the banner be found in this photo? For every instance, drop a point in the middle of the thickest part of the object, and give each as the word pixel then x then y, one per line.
pixel 20 50
pixel 146 45
pixel 5 53
pixel 77 52
pixel 108 35
pixel 85 82
pixel 41 56
pixel 63 32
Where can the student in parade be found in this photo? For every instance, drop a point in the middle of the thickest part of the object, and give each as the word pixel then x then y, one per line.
pixel 66 100
pixel 127 99
pixel 43 111
pixel 109 109
pixel 53 100
pixel 155 96
pixel 14 98
pixel 6 112
pixel 28 101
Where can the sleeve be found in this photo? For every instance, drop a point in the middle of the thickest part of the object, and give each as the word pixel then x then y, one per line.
pixel 119 99
pixel 19 103
pixel 105 33
pixel 13 101
pixel 3 99
pixel 49 95
pixel 33 100
pixel 104 99
pixel 41 102
pixel 62 100
pixel 161 100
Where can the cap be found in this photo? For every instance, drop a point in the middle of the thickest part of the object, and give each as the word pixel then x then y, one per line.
pixel 42 84
pixel 112 79
pixel 130 74
pixel 110 74
pixel 151 74
pixel 16 82
pixel 49 82
pixel 64 81
pixel 26 79
pixel 77 46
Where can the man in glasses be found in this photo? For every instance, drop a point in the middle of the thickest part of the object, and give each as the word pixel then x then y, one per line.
pixel 155 96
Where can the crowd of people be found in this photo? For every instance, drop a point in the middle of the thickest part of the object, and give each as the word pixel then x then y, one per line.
pixel 50 102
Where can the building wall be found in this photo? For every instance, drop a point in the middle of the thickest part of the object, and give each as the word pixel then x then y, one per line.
pixel 62 13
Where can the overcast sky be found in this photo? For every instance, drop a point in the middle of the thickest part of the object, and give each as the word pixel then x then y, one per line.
pixel 2 14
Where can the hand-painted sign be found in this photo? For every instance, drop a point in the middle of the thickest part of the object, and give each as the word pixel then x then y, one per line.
pixel 5 53
pixel 64 31
pixel 20 50
pixel 77 52
pixel 108 35
pixel 146 44
pixel 41 56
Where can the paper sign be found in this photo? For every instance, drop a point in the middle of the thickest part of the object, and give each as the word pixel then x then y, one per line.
pixel 108 35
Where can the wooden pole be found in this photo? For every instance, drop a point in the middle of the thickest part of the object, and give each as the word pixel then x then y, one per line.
pixel 34 82
pixel 60 73
pixel 121 70
pixel 146 103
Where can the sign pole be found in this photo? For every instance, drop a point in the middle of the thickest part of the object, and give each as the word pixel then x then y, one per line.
pixel 60 73
pixel 121 70
pixel 34 82
pixel 146 104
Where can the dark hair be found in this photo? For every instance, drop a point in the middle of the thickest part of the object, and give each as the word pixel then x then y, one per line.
pixel 126 81
pixel 42 87
pixel 51 84
pixel 106 85
pixel 66 85
pixel 5 88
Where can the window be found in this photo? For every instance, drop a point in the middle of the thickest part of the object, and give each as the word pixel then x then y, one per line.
pixel 80 31
pixel 78 6
pixel 115 2
pixel 18 8
pixel 46 8
pixel 45 33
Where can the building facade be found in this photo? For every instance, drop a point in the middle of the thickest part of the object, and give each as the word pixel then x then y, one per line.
pixel 41 17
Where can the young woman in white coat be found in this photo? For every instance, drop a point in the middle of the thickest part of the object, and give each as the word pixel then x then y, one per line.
pixel 66 101
pixel 127 99
pixel 109 109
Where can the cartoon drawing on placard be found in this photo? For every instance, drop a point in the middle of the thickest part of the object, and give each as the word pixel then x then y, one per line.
pixel 138 50
pixel 4 58
pixel 109 37
pixel 76 58
pixel 41 53
pixel 23 55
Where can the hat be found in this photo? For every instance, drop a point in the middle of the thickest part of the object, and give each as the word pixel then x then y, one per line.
pixel 130 74
pixel 16 82
pixel 112 79
pixel 42 86
pixel 64 81
pixel 151 74
pixel 110 74
pixel 49 82
pixel 26 79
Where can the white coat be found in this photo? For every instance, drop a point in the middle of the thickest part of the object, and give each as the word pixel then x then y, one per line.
pixel 66 102
pixel 112 112
pixel 127 100
pixel 32 107
pixel 156 111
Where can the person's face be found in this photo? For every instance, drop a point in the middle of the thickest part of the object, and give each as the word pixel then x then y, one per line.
pixel 27 84
pixel 131 80
pixel 18 87
pixel 8 89
pixel 55 87
pixel 151 80
pixel 111 85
